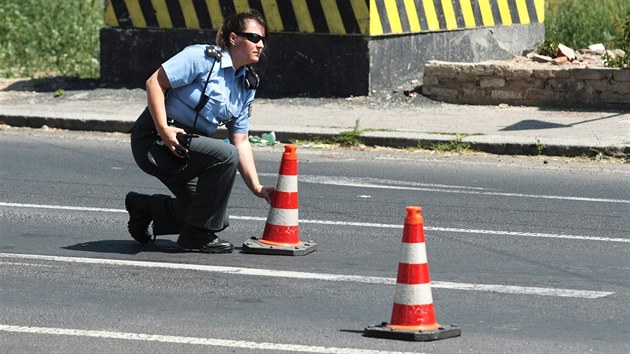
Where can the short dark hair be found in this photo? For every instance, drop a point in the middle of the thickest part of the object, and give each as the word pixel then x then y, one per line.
pixel 236 24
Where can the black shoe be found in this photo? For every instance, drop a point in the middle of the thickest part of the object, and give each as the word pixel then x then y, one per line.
pixel 137 206
pixel 202 241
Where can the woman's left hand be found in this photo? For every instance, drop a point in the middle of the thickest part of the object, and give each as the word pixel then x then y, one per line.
pixel 265 193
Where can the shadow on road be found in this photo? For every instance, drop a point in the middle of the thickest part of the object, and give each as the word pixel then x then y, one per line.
pixel 125 247
pixel 130 247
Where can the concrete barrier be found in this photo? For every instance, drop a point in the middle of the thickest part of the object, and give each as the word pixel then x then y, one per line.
pixel 324 48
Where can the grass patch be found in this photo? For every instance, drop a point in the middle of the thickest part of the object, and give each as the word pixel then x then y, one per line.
pixel 346 139
pixel 351 138
pixel 456 145
pixel 579 23
pixel 605 154
pixel 41 38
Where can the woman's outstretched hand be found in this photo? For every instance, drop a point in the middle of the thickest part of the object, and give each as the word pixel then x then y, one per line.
pixel 265 193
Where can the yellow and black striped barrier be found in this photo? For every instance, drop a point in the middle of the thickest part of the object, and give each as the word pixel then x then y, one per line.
pixel 339 17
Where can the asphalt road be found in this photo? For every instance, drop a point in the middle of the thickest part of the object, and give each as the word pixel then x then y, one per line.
pixel 525 254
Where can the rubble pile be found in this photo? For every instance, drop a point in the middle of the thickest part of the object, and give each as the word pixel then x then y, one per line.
pixel 594 55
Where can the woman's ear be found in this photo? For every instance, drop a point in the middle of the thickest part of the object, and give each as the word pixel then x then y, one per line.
pixel 232 38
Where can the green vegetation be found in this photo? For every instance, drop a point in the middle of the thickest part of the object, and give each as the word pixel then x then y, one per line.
pixel 580 23
pixel 351 138
pixel 622 26
pixel 540 147
pixel 50 37
pixel 456 145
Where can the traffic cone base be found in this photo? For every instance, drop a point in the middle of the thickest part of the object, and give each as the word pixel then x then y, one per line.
pixel 387 332
pixel 260 246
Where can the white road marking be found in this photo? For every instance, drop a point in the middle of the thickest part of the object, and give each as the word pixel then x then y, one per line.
pixel 347 223
pixel 214 342
pixel 391 184
pixel 61 207
pixel 507 289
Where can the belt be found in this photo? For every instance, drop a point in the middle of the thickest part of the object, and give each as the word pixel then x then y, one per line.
pixel 173 122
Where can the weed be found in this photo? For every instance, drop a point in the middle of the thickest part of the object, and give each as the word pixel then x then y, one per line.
pixel 540 147
pixel 550 46
pixel 456 145
pixel 351 138
pixel 59 92
pixel 607 153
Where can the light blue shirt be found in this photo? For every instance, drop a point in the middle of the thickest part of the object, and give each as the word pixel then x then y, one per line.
pixel 229 100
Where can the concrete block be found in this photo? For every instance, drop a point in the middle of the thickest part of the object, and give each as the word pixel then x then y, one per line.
pixel 598 85
pixel 615 98
pixel 441 70
pixel 551 72
pixel 491 82
pixel 507 95
pixel 519 73
pixel 591 73
pixel 525 83
pixel 441 93
pixel 565 84
pixel 620 87
pixel 541 95
pixel 474 93
pixel 621 75
pixel 430 80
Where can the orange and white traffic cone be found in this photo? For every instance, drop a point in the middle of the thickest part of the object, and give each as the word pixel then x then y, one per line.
pixel 413 316
pixel 282 235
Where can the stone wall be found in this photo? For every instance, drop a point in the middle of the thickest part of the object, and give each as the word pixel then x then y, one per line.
pixel 527 83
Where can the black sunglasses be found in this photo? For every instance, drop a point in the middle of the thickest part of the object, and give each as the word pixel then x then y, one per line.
pixel 252 37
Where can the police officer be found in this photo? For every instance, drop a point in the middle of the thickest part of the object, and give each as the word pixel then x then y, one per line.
pixel 193 93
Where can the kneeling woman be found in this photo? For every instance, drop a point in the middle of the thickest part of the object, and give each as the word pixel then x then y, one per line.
pixel 189 97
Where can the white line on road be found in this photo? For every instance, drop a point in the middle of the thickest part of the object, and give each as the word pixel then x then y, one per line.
pixel 468 231
pixel 347 223
pixel 189 340
pixel 507 289
pixel 389 184
pixel 61 207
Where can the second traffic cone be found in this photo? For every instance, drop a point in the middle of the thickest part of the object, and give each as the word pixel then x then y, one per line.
pixel 281 234
pixel 413 316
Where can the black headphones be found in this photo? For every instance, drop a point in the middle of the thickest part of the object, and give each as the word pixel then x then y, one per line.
pixel 252 80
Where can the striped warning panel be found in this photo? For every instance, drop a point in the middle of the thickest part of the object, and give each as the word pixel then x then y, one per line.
pixel 340 17
pixel 409 16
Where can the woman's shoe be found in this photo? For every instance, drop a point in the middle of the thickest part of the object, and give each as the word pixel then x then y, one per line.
pixel 137 206
pixel 203 241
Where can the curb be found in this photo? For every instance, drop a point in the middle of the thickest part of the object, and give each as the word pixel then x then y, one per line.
pixel 499 148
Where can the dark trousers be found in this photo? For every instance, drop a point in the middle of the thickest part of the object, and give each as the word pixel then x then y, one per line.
pixel 202 190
